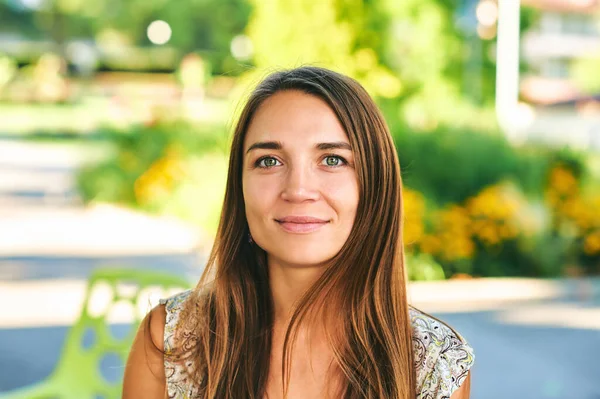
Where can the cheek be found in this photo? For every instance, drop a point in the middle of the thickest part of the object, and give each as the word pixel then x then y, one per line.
pixel 343 194
pixel 259 195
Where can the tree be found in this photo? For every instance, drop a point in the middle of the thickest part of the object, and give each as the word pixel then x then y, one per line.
pixel 346 35
pixel 409 51
pixel 207 26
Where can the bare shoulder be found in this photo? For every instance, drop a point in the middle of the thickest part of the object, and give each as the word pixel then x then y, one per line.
pixel 144 372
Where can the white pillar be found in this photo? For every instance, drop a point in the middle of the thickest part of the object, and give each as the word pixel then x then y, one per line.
pixel 507 67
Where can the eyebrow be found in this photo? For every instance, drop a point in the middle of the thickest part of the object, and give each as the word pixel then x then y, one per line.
pixel 338 145
pixel 276 145
pixel 265 145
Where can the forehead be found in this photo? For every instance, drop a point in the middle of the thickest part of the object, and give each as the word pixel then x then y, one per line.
pixel 295 117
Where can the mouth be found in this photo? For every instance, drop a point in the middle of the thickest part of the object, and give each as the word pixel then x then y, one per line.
pixel 301 224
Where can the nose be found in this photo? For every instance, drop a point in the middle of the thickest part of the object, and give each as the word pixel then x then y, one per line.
pixel 300 185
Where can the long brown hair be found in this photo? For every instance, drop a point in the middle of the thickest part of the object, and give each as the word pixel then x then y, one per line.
pixel 231 309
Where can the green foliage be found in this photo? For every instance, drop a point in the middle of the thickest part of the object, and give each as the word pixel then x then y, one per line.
pixel 427 47
pixel 8 69
pixel 136 150
pixel 544 255
pixel 349 36
pixel 179 170
pixel 199 196
pixel 422 267
pixel 585 74
pixel 408 51
pixel 206 26
pixel 449 166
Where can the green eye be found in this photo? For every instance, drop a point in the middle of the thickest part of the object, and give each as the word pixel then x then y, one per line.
pixel 332 160
pixel 267 162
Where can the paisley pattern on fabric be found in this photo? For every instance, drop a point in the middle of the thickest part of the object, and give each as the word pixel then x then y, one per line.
pixel 442 357
pixel 179 385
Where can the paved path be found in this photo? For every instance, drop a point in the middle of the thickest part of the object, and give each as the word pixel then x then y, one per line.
pixel 527 361
pixel 41 213
pixel 512 360
pixel 50 244
pixel 541 347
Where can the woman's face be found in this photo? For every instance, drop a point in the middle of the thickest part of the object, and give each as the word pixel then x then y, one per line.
pixel 299 181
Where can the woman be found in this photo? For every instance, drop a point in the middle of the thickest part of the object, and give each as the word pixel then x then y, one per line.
pixel 304 294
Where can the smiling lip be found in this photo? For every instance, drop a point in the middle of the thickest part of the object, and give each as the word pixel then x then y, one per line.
pixel 301 224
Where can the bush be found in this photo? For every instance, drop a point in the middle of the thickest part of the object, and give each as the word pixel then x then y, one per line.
pixel 473 204
pixel 148 163
pixel 449 166
pixel 480 206
pixel 422 267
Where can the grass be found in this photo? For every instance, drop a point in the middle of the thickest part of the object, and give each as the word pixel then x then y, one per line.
pixel 79 118
pixel 84 118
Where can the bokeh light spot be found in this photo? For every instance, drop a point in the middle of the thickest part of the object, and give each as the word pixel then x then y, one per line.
pixel 159 32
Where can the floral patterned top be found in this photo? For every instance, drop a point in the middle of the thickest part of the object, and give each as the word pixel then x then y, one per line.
pixel 442 357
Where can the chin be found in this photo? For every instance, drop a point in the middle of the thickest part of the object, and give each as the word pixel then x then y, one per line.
pixel 308 254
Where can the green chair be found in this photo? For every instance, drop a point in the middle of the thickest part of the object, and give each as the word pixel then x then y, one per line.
pixel 90 342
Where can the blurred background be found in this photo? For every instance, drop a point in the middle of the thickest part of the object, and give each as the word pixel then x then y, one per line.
pixel 115 120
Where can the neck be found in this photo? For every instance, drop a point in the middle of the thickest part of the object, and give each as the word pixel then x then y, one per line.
pixel 288 284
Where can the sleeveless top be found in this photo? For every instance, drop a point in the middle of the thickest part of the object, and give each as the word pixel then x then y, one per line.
pixel 442 357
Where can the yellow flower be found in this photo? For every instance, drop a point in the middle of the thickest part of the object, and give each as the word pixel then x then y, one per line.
pixel 591 245
pixel 583 212
pixel 562 180
pixel 160 179
pixel 431 244
pixel 552 198
pixel 454 233
pixel 414 212
pixel 486 231
pixel 496 213
pixel 591 212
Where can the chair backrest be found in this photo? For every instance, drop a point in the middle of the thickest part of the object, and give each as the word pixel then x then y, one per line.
pixel 97 346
